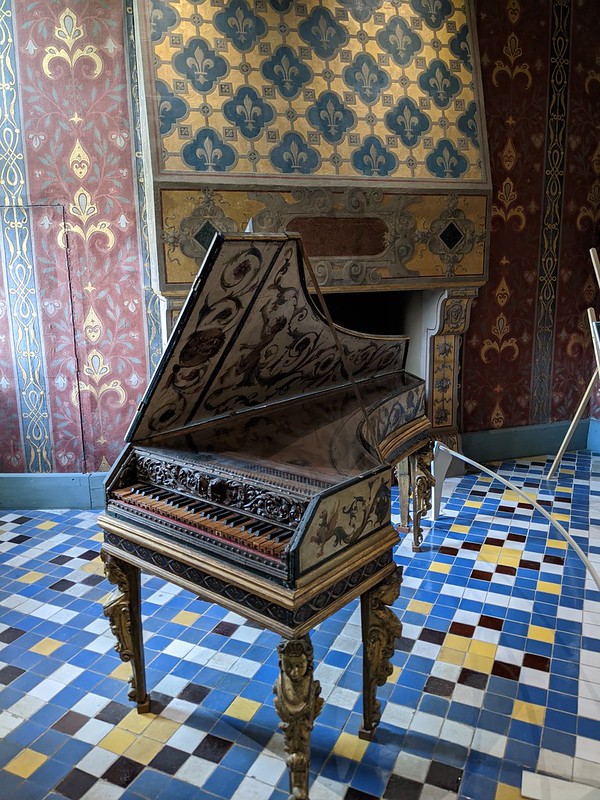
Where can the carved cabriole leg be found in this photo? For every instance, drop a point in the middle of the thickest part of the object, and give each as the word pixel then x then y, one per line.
pixel 298 703
pixel 380 629
pixel 123 610
pixel 422 484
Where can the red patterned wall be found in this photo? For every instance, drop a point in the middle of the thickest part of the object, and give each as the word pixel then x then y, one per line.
pixel 70 64
pixel 543 122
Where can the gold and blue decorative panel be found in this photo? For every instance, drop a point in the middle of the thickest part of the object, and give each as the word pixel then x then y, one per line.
pixel 355 238
pixel 287 89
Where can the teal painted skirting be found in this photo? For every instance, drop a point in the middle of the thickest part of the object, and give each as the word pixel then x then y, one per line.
pixel 52 490
pixel 529 440
pixel 593 439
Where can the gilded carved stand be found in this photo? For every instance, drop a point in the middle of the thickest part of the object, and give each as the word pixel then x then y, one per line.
pixel 297 693
pixel 415 478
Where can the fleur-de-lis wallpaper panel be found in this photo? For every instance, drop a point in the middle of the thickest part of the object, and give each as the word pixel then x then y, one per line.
pixel 528 354
pixel 277 88
pixel 77 317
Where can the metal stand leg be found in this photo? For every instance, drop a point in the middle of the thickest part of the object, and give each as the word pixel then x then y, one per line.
pixel 380 629
pixel 298 704
pixel 124 614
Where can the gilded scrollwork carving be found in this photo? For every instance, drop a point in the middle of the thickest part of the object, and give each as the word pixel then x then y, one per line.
pixel 422 486
pixel 380 629
pixel 298 703
pixel 123 612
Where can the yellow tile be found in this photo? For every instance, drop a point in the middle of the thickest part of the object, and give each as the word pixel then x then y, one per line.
pixel 117 741
pixel 456 642
pixel 31 577
pixel 479 663
pixel 460 528
pixel 122 672
pixel 558 544
pixel 186 618
pixel 560 517
pixel 97 537
pixel 350 746
pixel 243 709
pixel 143 750
pixel 473 504
pixel 26 763
pixel 162 729
pixel 509 561
pixel 565 489
pixel 504 791
pixel 393 678
pixel 96 566
pixel 541 634
pixel 46 647
pixel 510 495
pixel 450 656
pixel 136 723
pixel 511 552
pixel 550 588
pixel 489 553
pixel 46 526
pixel 435 566
pixel 529 712
pixel 420 606
pixel 487 649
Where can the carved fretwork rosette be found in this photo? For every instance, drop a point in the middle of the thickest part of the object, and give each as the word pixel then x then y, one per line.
pixel 298 703
pixel 380 629
pixel 123 612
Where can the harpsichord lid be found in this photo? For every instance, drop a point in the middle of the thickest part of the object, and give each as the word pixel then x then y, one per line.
pixel 250 336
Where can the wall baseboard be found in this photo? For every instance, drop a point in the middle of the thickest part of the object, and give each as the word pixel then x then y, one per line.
pixel 528 440
pixel 52 490
pixel 593 439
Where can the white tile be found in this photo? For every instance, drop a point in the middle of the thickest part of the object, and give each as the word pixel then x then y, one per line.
pixel 587 772
pixel 324 789
pixel 101 645
pixel 171 685
pixel 588 749
pixel 90 705
pixel 590 691
pixel 27 706
pixel 93 731
pixel 435 793
pixel 200 655
pixel 222 661
pixel 46 689
pixel 489 742
pixel 346 644
pixel 589 673
pixel 487 635
pixel 555 764
pixel 449 672
pixel 509 655
pixel 412 767
pixel 468 695
pixel 245 667
pixel 535 677
pixel 186 739
pixel 267 769
pixel 590 709
pixel 326 673
pixel 457 733
pixel 251 789
pixel 426 649
pixel 177 648
pixel 426 723
pixel 544 787
pixel 344 698
pixel 97 761
pixel 103 790
pixel 399 716
pixel 8 723
pixel 66 673
pixel 246 634
pixel 179 710
pixel 196 771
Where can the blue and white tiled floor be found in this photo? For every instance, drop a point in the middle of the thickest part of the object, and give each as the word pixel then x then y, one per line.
pixel 497 671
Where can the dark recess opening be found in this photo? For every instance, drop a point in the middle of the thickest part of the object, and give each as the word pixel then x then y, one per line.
pixel 369 312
